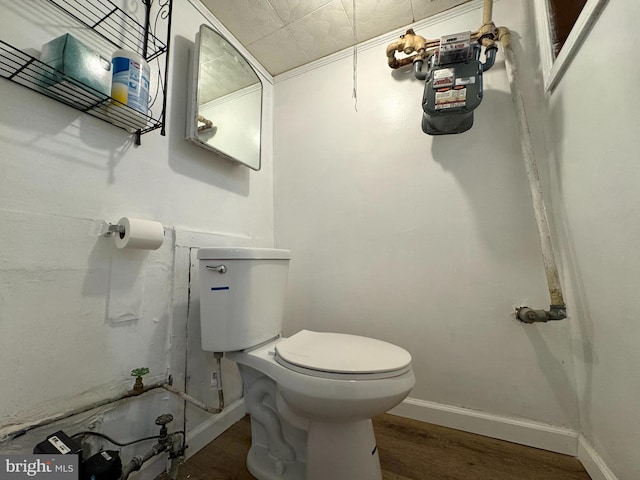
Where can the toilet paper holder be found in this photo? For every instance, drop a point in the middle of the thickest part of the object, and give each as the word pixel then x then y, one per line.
pixel 114 228
pixel 135 233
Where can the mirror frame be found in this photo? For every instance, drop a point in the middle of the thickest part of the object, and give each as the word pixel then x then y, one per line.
pixel 194 100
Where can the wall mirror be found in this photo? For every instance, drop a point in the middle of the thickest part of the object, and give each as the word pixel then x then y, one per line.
pixel 225 100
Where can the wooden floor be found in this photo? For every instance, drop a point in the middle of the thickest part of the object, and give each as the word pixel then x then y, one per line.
pixel 408 450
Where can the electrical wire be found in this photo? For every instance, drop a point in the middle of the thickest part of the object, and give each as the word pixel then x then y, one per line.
pixel 354 94
pixel 106 437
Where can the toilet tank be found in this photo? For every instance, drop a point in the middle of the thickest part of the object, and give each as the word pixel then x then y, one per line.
pixel 242 294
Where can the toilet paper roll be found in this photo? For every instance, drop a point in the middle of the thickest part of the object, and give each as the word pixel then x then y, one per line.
pixel 141 234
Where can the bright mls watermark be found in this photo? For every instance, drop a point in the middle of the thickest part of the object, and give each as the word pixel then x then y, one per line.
pixel 38 467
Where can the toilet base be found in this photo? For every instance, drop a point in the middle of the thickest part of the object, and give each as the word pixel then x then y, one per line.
pixel 342 451
pixel 264 466
pixel 336 451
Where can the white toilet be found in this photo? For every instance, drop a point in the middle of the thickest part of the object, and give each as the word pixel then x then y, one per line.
pixel 310 396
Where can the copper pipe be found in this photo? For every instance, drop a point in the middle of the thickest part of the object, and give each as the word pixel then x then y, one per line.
pixel 422 47
pixel 408 43
pixel 13 431
pixel 488 12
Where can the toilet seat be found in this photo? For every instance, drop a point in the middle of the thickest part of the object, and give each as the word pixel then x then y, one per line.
pixel 341 356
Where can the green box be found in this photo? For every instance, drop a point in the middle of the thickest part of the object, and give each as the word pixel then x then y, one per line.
pixel 73 58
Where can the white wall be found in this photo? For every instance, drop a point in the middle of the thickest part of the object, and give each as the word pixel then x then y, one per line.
pixel 62 175
pixel 595 179
pixel 425 242
pixel 429 243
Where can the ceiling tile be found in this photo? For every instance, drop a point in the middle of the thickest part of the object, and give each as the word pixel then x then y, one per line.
pixel 426 8
pixel 247 20
pixel 291 10
pixel 324 31
pixel 318 27
pixel 375 17
pixel 278 52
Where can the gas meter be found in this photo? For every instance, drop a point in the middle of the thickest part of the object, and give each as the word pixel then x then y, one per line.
pixel 453 88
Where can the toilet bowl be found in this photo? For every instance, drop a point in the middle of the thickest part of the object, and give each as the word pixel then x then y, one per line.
pixel 310 396
pixel 330 394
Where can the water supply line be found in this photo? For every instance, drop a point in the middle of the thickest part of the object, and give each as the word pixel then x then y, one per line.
pixel 168 386
pixel 139 386
pixel 173 443
pixel 11 432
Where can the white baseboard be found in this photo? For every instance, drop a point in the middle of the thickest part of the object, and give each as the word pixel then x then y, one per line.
pixel 592 463
pixel 204 433
pixel 524 432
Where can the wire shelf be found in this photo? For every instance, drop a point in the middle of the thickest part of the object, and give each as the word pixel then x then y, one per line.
pixel 122 31
pixel 113 25
pixel 25 70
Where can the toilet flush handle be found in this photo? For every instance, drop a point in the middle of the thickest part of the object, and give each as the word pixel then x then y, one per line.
pixel 217 268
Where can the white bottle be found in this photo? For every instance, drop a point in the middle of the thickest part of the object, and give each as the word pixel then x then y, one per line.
pixel 129 88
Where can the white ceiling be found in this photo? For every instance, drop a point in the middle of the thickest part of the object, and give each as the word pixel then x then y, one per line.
pixel 284 34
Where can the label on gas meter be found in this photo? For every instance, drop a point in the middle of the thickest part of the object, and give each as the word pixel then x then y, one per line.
pixel 451 99
pixel 443 77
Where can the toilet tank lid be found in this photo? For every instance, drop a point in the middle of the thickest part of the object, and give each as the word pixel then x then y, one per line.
pixel 342 353
pixel 240 253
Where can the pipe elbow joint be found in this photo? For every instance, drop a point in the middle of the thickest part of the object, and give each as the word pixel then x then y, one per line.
pixel 417 69
pixel 557 312
pixel 490 54
pixel 529 315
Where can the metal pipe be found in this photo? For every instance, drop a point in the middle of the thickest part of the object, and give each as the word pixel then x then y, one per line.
pixel 490 57
pixel 10 432
pixel 136 462
pixel 177 457
pixel 425 50
pixel 487 14
pixel 194 401
pixel 417 70
pixel 557 309
pixel 166 443
pixel 529 315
